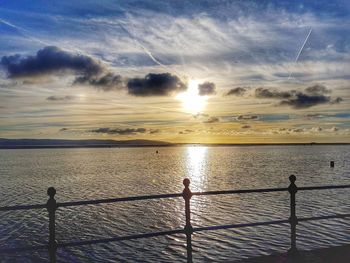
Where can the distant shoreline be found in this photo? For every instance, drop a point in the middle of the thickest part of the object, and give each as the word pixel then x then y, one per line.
pixel 57 144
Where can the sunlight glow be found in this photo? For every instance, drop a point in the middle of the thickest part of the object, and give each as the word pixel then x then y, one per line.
pixel 196 164
pixel 192 102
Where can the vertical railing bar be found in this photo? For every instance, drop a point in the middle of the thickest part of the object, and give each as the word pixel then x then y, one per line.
pixel 51 207
pixel 293 220
pixel 187 194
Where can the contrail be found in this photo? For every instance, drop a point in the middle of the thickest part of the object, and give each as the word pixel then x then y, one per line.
pixel 301 50
pixel 27 34
pixel 146 50
pixel 24 31
pixel 142 46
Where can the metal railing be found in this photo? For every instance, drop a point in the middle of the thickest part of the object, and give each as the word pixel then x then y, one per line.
pixel 188 230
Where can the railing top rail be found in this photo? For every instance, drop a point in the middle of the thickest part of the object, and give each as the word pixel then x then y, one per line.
pixel 242 191
pixel 173 195
pixel 121 199
pixel 325 187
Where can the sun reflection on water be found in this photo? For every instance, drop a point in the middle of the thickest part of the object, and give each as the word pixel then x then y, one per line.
pixel 196 166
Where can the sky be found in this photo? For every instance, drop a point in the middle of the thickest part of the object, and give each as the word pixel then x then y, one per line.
pixel 176 71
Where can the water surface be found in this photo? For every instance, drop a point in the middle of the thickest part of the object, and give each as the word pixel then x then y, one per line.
pixel 81 174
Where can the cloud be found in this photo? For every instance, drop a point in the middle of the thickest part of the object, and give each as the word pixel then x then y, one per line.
pixel 126 131
pixel 345 115
pixel 200 114
pixel 152 84
pixel 311 96
pixel 316 129
pixel 314 116
pixel 187 131
pixel 301 100
pixel 154 131
pixel 49 60
pixel 212 119
pixel 53 60
pixel 247 117
pixel 105 82
pixel 296 130
pixel 317 89
pixel 206 88
pixel 239 91
pixel 311 130
pixel 267 93
pixel 58 98
pixel 337 100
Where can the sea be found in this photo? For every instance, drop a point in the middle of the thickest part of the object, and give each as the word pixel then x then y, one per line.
pixel 97 173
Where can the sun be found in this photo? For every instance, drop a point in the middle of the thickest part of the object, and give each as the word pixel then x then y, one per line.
pixel 192 102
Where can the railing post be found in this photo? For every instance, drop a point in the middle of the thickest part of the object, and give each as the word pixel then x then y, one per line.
pixel 293 220
pixel 51 207
pixel 187 194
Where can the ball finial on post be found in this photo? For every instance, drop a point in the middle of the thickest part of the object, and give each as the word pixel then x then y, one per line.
pixel 292 178
pixel 186 193
pixel 186 182
pixel 51 191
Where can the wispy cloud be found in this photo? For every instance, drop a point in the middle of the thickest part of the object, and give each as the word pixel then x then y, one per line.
pixel 143 52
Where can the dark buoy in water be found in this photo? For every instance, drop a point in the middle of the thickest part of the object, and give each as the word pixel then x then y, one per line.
pixel 332 164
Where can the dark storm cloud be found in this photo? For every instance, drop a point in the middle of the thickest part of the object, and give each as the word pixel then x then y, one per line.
pixel 126 131
pixel 48 60
pixel 105 82
pixel 212 119
pixel 239 91
pixel 311 96
pixel 58 98
pixel 155 85
pixel 206 88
